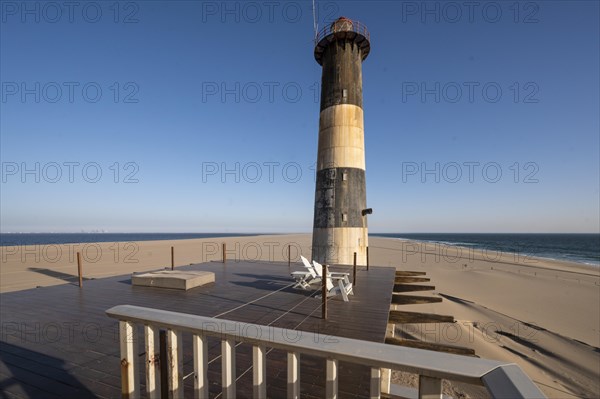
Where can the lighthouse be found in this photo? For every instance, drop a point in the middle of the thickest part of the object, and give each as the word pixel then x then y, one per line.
pixel 340 214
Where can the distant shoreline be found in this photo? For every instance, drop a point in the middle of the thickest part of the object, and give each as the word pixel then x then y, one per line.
pixel 462 241
pixel 12 239
pixel 470 254
pixel 584 248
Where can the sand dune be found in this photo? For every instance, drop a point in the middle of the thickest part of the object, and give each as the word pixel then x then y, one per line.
pixel 543 315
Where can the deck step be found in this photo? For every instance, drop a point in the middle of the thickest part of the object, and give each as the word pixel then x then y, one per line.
pixel 410 287
pixel 402 273
pixel 401 280
pixel 399 299
pixel 411 343
pixel 398 317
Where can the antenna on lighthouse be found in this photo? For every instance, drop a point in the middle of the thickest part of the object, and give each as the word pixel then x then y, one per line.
pixel 315 24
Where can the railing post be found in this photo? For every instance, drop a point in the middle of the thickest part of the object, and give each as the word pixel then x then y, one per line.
pixel 293 375
pixel 430 388
pixel 259 371
pixel 200 366
pixel 152 361
pixel 386 374
pixel 224 250
pixel 79 269
pixel 172 258
pixel 367 258
pixel 130 385
pixel 324 292
pixel 175 360
pixel 375 383
pixel 289 255
pixel 228 368
pixel 354 272
pixel 331 390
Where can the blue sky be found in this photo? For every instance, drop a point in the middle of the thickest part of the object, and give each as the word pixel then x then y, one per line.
pixel 182 116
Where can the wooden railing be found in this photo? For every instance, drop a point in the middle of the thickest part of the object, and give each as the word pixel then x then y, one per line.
pixel 501 379
pixel 349 26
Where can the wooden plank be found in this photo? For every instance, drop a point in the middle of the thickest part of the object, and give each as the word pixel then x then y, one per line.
pixel 402 273
pixel 398 317
pixel 401 280
pixel 400 299
pixel 409 287
pixel 54 382
pixel 411 343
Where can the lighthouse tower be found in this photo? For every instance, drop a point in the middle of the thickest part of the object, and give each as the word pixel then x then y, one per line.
pixel 340 221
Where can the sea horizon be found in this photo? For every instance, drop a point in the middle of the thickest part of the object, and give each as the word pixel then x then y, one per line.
pixel 583 248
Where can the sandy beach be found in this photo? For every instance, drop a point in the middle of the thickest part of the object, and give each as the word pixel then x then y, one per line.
pixel 542 314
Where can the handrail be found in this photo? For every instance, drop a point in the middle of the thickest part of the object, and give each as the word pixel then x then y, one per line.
pixel 431 366
pixel 351 26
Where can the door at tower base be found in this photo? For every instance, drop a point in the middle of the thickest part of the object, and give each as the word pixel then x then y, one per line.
pixel 337 245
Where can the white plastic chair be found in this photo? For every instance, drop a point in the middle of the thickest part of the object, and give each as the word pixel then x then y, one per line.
pixel 318 268
pixel 307 277
pixel 343 287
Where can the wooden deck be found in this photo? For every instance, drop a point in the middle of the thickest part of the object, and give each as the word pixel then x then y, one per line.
pixel 58 342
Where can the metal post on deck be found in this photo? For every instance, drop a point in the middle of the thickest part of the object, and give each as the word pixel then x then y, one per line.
pixel 172 258
pixel 324 293
pixel 367 258
pixel 224 249
pixel 79 269
pixel 289 255
pixel 354 273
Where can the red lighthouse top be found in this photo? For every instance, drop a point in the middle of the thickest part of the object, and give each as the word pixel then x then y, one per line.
pixel 343 29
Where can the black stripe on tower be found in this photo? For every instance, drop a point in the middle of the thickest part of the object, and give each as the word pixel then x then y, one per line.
pixel 341 80
pixel 340 198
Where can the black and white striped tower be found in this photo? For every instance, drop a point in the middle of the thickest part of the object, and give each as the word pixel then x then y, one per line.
pixel 340 223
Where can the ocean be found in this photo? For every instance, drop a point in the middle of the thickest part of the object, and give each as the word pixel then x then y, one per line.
pixel 580 248
pixel 7 239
